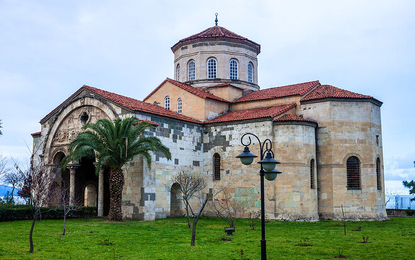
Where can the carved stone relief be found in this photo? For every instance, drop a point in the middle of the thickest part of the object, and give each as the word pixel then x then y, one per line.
pixel 73 123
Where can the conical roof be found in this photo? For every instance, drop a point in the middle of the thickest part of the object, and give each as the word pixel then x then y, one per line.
pixel 217 33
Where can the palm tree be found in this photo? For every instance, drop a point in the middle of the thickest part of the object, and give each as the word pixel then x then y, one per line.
pixel 113 144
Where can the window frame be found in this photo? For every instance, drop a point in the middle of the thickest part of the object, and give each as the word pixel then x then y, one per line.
pixel 179 106
pixel 191 71
pixel 250 72
pixel 178 72
pixel 216 167
pixel 233 69
pixel 312 174
pixel 211 69
pixel 353 169
pixel 167 102
pixel 378 174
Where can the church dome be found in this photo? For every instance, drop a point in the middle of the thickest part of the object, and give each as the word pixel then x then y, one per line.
pixel 216 56
pixel 217 33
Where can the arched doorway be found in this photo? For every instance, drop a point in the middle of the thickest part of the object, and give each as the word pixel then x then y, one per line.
pixel 90 195
pixel 175 200
pixel 85 176
pixel 62 180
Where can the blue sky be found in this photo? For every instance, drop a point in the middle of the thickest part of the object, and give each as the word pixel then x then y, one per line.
pixel 49 49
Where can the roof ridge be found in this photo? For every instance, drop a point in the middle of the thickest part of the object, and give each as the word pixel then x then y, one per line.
pixel 252 113
pixel 330 91
pixel 279 92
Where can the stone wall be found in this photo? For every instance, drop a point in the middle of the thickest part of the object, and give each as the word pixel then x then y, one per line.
pixel 289 196
pixel 347 128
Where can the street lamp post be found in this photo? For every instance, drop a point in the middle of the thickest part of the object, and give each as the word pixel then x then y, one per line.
pixel 267 170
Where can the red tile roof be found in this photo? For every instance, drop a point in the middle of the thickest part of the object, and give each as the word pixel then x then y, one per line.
pixel 37 133
pixel 288 118
pixel 195 91
pixel 148 121
pixel 299 89
pixel 327 91
pixel 216 32
pixel 127 102
pixel 253 113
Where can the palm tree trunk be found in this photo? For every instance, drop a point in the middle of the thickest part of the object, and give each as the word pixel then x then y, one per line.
pixel 116 183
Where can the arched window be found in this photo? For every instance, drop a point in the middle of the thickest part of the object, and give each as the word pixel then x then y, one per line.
pixel 178 72
pixel 179 106
pixel 353 173
pixel 233 69
pixel 312 185
pixel 191 70
pixel 378 174
pixel 211 68
pixel 216 166
pixel 167 102
pixel 250 72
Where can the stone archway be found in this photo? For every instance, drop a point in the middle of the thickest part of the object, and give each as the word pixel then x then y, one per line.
pixel 90 195
pixel 62 180
pixel 175 200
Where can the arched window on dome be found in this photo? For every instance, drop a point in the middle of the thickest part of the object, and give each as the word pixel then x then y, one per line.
pixel 211 68
pixel 378 174
pixel 178 72
pixel 312 177
pixel 179 106
pixel 233 69
pixel 191 70
pixel 167 102
pixel 216 167
pixel 353 173
pixel 250 72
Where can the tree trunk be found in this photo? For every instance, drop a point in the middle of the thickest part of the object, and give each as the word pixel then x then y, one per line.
pixel 31 233
pixel 187 215
pixel 116 183
pixel 192 242
pixel 64 221
pixel 196 219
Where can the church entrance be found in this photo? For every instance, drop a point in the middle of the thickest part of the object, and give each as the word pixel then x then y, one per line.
pixel 175 200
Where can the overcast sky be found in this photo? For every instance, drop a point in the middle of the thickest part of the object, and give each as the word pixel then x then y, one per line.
pixel 49 49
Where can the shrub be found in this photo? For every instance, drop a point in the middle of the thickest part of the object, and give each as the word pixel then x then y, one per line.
pixel 23 212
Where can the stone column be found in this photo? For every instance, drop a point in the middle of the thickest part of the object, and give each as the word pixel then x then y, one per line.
pixel 72 170
pixel 101 193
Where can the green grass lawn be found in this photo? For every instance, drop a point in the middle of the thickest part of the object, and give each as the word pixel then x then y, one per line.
pixel 170 239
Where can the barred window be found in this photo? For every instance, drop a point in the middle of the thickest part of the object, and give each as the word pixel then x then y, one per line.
pixel 216 166
pixel 312 185
pixel 179 106
pixel 211 68
pixel 167 102
pixel 191 70
pixel 378 174
pixel 178 72
pixel 233 69
pixel 353 173
pixel 250 72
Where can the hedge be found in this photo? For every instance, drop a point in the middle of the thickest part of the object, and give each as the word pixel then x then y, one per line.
pixel 10 213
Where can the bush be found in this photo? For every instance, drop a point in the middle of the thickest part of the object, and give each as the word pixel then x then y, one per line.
pixel 23 212
pixel 410 212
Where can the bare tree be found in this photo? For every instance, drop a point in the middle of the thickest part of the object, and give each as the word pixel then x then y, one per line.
pixel 64 203
pixel 13 177
pixel 227 207
pixel 192 187
pixel 190 184
pixel 3 165
pixel 37 187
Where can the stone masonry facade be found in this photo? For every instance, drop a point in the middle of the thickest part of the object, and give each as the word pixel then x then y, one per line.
pixel 328 140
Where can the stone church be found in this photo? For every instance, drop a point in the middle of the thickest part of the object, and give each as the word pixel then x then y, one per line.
pixel 328 140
